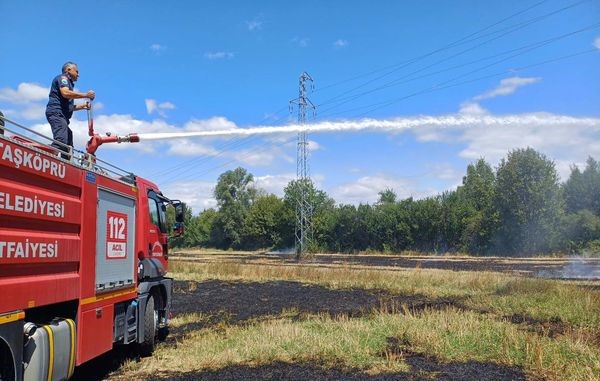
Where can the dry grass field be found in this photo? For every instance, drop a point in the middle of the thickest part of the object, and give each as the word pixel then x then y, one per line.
pixel 249 316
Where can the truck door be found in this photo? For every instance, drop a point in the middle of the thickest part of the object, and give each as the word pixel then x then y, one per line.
pixel 157 229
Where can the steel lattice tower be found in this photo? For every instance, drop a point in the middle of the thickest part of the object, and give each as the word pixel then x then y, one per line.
pixel 303 231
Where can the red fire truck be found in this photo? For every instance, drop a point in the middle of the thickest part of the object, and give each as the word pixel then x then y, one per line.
pixel 83 257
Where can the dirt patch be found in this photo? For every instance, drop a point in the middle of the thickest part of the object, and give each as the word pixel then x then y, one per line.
pixel 555 328
pixel 552 328
pixel 242 301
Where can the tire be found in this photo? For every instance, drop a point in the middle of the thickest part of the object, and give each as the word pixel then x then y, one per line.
pixel 7 370
pixel 162 333
pixel 147 346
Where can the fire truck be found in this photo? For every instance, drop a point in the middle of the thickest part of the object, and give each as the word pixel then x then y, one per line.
pixel 83 256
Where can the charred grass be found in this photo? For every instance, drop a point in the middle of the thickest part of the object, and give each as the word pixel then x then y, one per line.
pixel 241 321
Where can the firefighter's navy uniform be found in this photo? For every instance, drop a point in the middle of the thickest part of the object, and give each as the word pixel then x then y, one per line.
pixel 59 111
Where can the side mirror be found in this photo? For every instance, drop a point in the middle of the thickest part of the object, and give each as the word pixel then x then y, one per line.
pixel 179 213
pixel 178 229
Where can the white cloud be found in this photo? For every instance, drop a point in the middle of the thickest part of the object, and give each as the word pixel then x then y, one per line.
pixel 274 184
pixel 564 139
pixel 301 41
pixel 313 146
pixel 254 24
pixel 270 117
pixel 158 48
pixel 339 43
pixel 216 123
pixel 28 101
pixel 25 93
pixel 445 171
pixel 219 55
pixel 508 86
pixel 261 155
pixel 471 108
pixel 196 194
pixel 255 157
pixel 597 43
pixel 98 106
pixel 152 105
pixel 366 189
pixel 34 112
pixel 186 147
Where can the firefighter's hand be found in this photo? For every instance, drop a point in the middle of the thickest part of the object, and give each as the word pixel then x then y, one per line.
pixel 91 94
pixel 86 106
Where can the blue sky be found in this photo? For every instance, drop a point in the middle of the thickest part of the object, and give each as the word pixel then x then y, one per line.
pixel 380 65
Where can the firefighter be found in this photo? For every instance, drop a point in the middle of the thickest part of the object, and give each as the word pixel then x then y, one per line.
pixel 1 123
pixel 61 106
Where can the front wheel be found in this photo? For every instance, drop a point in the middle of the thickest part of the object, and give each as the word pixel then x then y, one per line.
pixel 150 321
pixel 7 370
pixel 162 333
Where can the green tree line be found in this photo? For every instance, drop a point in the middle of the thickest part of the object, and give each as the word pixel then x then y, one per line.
pixel 520 208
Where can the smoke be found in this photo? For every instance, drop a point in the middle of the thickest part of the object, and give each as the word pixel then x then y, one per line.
pixel 287 251
pixel 581 268
pixel 578 267
pixel 390 125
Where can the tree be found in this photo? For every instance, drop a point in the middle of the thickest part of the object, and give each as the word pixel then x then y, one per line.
pixel 580 230
pixel 387 196
pixel 234 193
pixel 582 189
pixel 204 225
pixel 343 227
pixel 263 223
pixel 527 200
pixel 391 227
pixel 480 220
pixel 318 202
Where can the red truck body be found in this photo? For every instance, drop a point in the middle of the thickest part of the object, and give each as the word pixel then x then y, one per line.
pixel 79 243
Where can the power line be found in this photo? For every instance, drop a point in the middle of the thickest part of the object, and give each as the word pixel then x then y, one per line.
pixel 452 44
pixel 507 30
pixel 438 87
pixel 519 51
pixel 379 105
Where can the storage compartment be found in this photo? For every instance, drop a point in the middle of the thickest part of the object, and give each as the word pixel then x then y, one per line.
pixel 49 353
pixel 115 241
pixel 95 332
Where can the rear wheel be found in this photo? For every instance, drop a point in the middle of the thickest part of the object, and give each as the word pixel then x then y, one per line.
pixel 150 321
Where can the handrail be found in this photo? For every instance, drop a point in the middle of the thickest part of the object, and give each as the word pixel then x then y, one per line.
pixel 78 158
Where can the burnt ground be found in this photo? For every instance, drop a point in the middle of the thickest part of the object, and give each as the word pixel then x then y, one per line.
pixel 239 302
pixel 561 268
pixel 247 302
pixel 242 303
